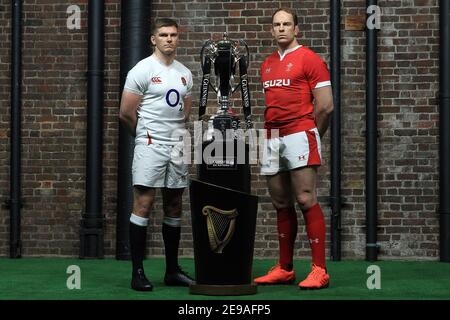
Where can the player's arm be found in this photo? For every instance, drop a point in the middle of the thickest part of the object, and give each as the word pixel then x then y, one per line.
pixel 187 107
pixel 128 110
pixel 323 107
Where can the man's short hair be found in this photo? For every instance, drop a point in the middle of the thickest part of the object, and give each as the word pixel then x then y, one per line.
pixel 287 10
pixel 163 22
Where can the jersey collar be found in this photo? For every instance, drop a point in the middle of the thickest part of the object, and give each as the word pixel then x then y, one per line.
pixel 282 55
pixel 161 62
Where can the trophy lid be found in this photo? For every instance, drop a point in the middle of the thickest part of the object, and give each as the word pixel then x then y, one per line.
pixel 225 41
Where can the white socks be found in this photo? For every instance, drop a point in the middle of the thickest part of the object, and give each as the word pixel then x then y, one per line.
pixel 139 221
pixel 173 222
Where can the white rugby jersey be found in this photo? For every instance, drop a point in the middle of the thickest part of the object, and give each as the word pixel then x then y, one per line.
pixel 163 88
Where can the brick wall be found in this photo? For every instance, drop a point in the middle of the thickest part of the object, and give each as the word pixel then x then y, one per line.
pixel 54 121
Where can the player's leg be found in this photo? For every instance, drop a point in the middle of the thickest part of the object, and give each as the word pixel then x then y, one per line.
pixel 304 184
pixel 282 199
pixel 279 186
pixel 171 230
pixel 302 155
pixel 149 165
pixel 175 183
pixel 143 201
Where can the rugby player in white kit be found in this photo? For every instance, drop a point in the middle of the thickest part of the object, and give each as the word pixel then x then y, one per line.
pixel 155 105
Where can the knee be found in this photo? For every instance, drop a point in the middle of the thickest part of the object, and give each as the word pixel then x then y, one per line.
pixel 280 203
pixel 142 206
pixel 306 199
pixel 173 208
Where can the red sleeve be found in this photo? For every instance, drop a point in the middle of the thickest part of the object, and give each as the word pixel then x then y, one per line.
pixel 316 71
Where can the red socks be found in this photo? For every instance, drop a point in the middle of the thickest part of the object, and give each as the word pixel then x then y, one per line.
pixel 287 232
pixel 315 228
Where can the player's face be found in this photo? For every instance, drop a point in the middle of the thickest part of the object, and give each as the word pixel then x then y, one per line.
pixel 283 29
pixel 166 40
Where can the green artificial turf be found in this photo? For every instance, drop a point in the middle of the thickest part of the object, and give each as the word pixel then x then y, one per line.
pixel 109 279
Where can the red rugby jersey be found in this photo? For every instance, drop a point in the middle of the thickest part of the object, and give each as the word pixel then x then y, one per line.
pixel 288 81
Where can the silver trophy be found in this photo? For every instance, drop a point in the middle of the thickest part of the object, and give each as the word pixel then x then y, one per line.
pixel 223 209
pixel 225 55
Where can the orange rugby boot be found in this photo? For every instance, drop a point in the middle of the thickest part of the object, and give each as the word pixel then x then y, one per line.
pixel 317 279
pixel 277 275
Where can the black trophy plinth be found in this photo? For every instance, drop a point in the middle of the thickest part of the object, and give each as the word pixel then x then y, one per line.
pixel 223 210
pixel 226 270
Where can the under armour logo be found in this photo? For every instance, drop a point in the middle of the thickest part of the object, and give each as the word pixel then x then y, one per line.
pixel 289 67
pixel 267 70
pixel 302 157
pixel 316 240
pixel 282 235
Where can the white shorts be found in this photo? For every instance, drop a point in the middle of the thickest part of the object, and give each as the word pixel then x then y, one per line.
pixel 293 151
pixel 159 166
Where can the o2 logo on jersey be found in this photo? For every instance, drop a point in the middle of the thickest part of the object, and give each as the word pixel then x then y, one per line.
pixel 173 98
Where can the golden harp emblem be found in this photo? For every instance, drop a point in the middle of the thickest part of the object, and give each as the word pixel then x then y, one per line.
pixel 220 225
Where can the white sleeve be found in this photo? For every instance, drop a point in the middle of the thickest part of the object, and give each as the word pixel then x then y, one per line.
pixel 137 80
pixel 189 85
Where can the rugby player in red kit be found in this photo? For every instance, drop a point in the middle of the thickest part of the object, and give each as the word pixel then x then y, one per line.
pixel 299 103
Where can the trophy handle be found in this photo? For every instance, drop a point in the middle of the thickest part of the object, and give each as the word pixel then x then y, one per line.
pixel 206 69
pixel 225 54
pixel 244 61
pixel 238 57
pixel 245 92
